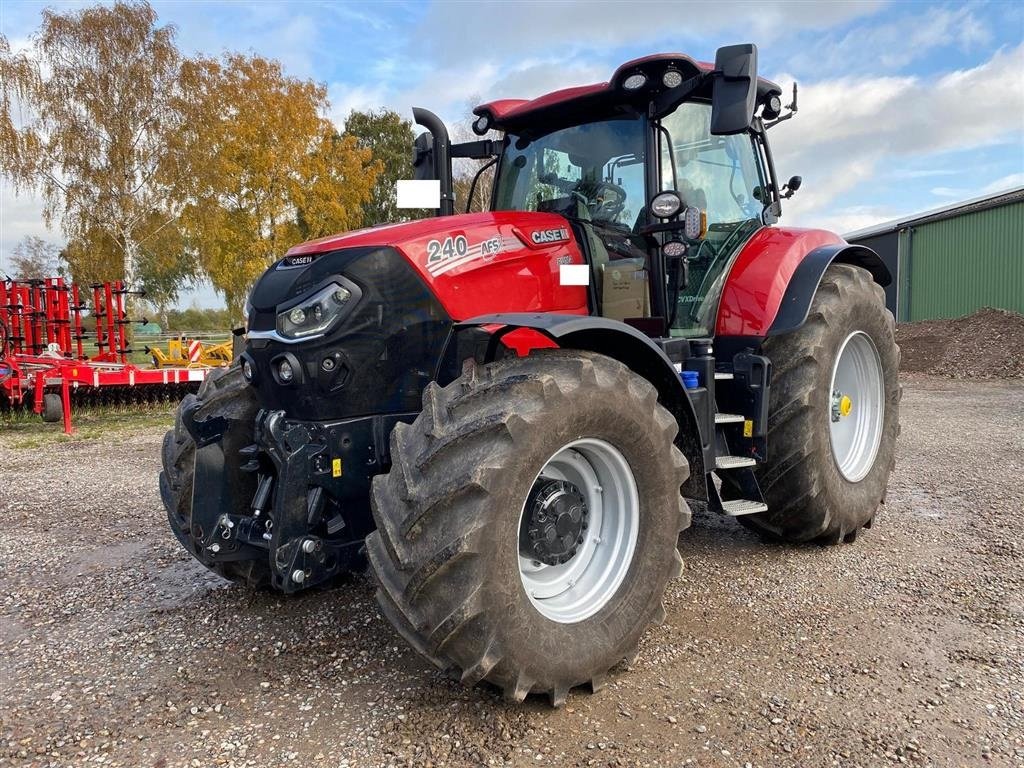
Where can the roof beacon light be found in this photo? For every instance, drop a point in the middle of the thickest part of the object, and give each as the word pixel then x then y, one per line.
pixel 635 82
pixel 672 78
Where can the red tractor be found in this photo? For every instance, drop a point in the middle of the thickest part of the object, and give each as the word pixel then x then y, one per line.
pixel 511 414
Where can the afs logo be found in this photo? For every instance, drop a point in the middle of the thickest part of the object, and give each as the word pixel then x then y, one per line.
pixel 490 248
pixel 545 236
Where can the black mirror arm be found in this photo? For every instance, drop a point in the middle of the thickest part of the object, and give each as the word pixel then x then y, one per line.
pixel 666 226
pixel 477 150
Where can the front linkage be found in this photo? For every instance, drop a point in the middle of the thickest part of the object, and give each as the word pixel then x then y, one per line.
pixel 290 522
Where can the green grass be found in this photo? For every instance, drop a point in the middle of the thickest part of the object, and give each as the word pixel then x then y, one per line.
pixel 24 429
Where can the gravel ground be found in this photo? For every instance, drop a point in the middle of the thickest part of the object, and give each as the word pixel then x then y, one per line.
pixel 903 647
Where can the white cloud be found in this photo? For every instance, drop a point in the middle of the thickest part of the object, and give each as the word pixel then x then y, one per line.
pixel 881 47
pixel 921 173
pixel 345 98
pixel 1011 181
pixel 853 218
pixel 453 94
pixel 21 215
pixel 487 27
pixel 951 192
pixel 851 130
pixel 273 30
pixel 447 91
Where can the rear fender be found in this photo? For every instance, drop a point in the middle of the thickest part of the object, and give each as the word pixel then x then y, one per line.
pixel 796 302
pixel 774 277
pixel 625 344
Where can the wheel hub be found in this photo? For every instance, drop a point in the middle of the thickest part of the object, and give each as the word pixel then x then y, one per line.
pixel 554 521
pixel 857 395
pixel 842 406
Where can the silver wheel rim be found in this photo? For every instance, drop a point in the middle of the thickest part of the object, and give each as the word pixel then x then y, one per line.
pixel 577 589
pixel 856 406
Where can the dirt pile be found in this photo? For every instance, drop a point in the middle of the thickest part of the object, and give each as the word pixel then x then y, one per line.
pixel 988 344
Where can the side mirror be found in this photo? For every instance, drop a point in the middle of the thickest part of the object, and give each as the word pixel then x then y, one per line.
pixel 791 186
pixel 734 93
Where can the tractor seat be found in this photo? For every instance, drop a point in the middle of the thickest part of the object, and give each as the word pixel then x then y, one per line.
pixel 693 195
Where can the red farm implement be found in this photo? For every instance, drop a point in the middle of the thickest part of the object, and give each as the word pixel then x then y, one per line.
pixel 49 358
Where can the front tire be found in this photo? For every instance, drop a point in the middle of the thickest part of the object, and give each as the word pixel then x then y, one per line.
pixel 223 392
pixel 834 414
pixel 454 558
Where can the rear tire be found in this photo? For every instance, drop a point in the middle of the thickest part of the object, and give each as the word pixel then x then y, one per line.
pixel 223 392
pixel 447 552
pixel 818 486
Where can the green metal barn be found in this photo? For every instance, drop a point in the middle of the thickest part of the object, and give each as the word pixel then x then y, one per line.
pixel 952 261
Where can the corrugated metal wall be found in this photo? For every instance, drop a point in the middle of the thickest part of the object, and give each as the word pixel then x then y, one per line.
pixel 954 266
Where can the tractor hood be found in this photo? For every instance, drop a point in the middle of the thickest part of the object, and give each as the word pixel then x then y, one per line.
pixel 477 263
pixel 360 320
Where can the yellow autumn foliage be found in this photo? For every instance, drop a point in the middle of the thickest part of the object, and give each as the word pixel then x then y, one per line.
pixel 259 168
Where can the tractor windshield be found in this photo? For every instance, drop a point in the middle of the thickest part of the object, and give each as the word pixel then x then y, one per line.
pixel 593 172
pixel 723 176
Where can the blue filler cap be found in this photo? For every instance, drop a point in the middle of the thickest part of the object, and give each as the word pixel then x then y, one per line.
pixel 690 379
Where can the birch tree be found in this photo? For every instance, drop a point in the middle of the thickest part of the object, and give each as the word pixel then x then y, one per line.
pixel 85 119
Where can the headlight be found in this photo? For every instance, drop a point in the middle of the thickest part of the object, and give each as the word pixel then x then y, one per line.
pixel 313 316
pixel 635 81
pixel 666 204
pixel 672 78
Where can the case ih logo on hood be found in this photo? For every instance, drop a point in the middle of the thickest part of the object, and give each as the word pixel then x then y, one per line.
pixel 297 261
pixel 542 236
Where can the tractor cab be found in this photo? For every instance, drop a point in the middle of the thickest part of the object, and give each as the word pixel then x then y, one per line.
pixel 630 162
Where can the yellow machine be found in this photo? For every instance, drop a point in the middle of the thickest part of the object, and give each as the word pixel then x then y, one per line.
pixel 190 353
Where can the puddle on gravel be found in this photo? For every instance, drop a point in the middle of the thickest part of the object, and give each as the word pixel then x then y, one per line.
pixel 921 503
pixel 11 631
pixel 175 585
pixel 106 558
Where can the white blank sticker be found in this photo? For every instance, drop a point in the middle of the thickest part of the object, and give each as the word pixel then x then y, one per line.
pixel 418 193
pixel 574 274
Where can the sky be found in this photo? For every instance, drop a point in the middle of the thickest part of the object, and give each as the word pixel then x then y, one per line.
pixel 903 106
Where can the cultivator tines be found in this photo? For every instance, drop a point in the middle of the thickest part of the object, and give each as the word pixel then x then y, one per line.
pixel 45 360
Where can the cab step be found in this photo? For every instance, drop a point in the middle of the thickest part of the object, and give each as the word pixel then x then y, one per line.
pixel 733 462
pixel 737 507
pixel 722 376
pixel 729 418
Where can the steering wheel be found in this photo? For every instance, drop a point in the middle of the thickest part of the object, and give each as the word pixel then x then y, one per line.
pixel 605 200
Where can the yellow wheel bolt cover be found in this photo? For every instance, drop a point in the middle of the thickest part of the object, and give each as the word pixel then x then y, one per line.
pixel 845 405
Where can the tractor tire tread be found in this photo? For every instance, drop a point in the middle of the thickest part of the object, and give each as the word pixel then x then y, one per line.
pixel 218 392
pixel 807 498
pixel 430 546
